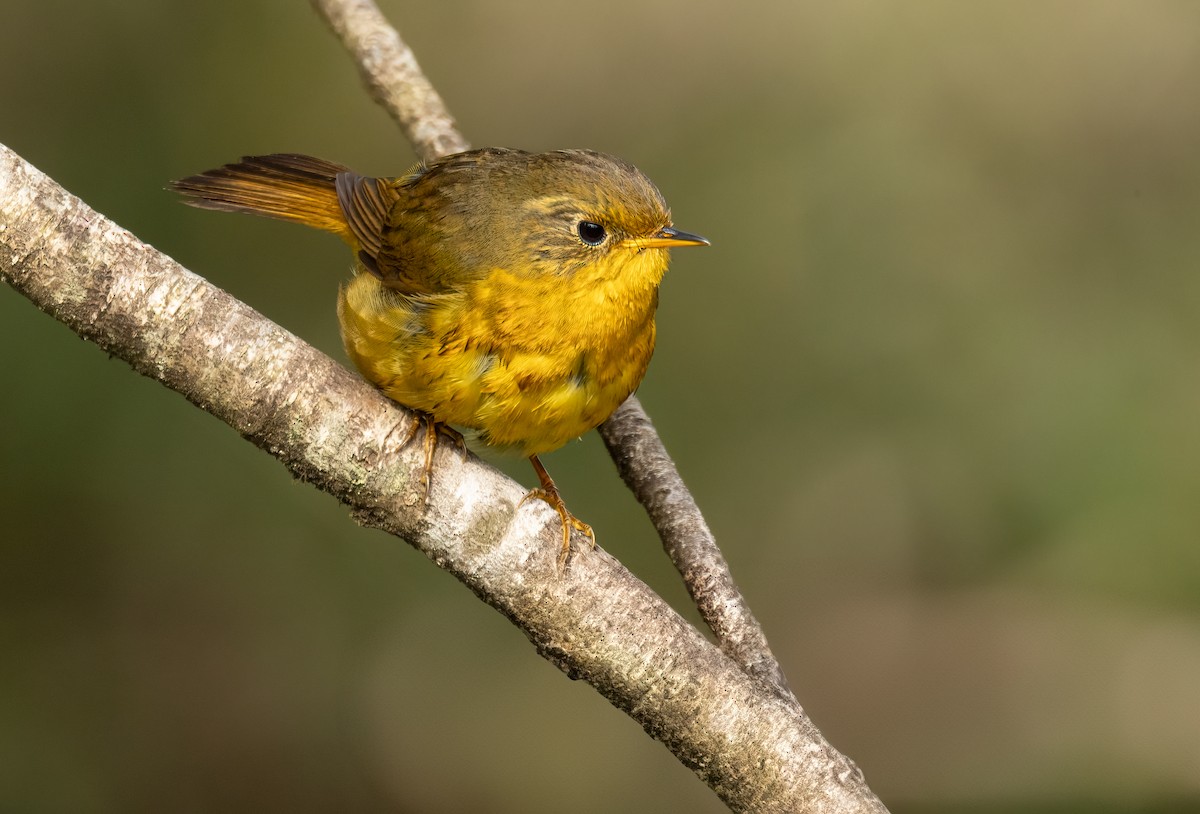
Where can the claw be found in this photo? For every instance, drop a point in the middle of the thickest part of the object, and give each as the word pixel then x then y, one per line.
pixel 549 493
pixel 432 429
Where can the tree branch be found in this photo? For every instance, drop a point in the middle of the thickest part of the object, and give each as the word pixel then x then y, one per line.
pixel 650 474
pixel 394 79
pixel 390 71
pixel 759 752
pixel 730 716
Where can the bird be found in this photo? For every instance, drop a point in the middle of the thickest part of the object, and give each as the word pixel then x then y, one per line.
pixel 505 292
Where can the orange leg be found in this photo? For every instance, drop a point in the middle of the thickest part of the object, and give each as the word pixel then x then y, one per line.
pixel 549 493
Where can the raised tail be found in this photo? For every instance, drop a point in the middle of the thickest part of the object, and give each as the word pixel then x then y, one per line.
pixel 286 186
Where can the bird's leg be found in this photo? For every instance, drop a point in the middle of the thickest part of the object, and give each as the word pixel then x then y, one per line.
pixel 549 493
pixel 432 428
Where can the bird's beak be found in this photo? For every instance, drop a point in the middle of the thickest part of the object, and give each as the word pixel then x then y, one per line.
pixel 666 238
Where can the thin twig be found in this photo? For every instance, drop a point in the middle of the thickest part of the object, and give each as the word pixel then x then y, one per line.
pixel 651 475
pixel 391 72
pixel 389 69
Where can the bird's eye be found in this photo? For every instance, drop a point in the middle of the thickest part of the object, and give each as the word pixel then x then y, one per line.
pixel 591 233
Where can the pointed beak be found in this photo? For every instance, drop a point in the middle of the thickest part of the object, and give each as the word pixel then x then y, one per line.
pixel 666 238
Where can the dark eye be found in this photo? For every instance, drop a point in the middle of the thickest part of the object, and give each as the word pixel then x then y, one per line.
pixel 591 233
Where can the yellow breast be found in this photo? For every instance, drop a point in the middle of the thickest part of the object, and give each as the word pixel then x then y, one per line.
pixel 528 361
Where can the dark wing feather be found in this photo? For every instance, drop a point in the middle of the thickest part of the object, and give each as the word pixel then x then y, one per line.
pixel 367 204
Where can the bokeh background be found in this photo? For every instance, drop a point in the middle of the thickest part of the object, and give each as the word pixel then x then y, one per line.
pixel 934 385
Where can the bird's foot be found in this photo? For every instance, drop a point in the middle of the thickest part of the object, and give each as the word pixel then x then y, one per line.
pixel 549 493
pixel 432 429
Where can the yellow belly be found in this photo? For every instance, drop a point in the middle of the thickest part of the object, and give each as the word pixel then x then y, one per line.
pixel 498 359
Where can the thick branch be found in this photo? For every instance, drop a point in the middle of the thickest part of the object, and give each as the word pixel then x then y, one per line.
pixel 597 622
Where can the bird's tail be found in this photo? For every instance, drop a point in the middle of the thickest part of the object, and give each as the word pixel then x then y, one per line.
pixel 286 186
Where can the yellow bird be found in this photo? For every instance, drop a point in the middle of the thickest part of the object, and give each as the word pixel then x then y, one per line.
pixel 508 292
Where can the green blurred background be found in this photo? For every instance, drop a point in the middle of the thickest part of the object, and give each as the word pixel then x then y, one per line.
pixel 934 385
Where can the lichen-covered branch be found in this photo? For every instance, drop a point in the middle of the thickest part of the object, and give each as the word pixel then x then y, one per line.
pixel 597 622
